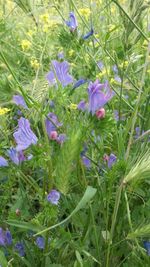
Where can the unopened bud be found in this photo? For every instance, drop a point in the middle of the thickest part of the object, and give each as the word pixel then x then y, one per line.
pixel 53 135
pixel 100 113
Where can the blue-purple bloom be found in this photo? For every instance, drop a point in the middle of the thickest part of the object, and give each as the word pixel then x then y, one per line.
pixel 115 69
pixel 116 115
pixel 60 55
pixel 51 123
pixel 19 101
pixel 82 105
pixel 112 160
pixel 20 249
pixel 90 33
pixel 61 138
pixel 147 246
pixel 100 65
pixel 24 136
pixel 3 162
pixel 53 197
pixel 79 82
pixel 8 237
pixel 40 242
pixel 72 22
pixel 16 156
pixel 117 78
pixel 99 95
pixel 5 237
pixel 59 72
pixel 86 162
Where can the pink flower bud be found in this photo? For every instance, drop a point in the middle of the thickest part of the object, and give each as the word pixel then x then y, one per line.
pixel 105 157
pixel 100 113
pixel 53 135
pixel 18 212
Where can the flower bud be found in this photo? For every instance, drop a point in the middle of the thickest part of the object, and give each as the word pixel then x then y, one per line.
pixel 53 135
pixel 100 113
pixel 18 212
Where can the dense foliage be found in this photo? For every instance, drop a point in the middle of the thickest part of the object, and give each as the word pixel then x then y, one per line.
pixel 74 133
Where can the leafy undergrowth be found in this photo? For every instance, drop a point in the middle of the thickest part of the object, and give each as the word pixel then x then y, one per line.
pixel 74 133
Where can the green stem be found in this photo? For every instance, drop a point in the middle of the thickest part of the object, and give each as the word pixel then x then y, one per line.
pixel 138 103
pixel 135 25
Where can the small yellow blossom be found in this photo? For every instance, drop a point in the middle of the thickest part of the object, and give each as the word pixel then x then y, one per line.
pixel 101 74
pixel 85 12
pixel 30 33
pixel 4 110
pixel 44 18
pixel 71 52
pixel 25 44
pixel 111 27
pixel 45 28
pixel 35 64
pixel 113 9
pixel 73 106
pixel 148 71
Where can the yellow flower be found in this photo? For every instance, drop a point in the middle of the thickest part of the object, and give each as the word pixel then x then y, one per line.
pixel 4 110
pixel 30 33
pixel 44 18
pixel 73 106
pixel 148 71
pixel 25 44
pixel 35 64
pixel 101 74
pixel 85 12
pixel 45 28
pixel 126 63
pixel 71 52
pixel 111 27
pixel 113 9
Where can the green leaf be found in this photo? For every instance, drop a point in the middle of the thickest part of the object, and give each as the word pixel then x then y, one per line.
pixel 88 195
pixel 79 258
pixel 3 260
pixel 24 225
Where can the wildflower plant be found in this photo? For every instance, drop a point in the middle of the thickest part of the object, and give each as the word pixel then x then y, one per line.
pixel 74 133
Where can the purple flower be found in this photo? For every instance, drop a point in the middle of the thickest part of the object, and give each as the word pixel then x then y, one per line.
pixel 2 237
pixel 5 237
pixel 20 248
pixel 60 55
pixel 86 162
pixel 115 69
pixel 147 246
pixel 82 105
pixel 52 123
pixel 19 101
pixel 72 22
pixel 59 72
pixel 53 197
pixel 99 95
pixel 8 237
pixel 24 136
pixel 90 33
pixel 40 242
pixel 116 115
pixel 61 138
pixel 100 65
pixel 79 82
pixel 15 156
pixel 112 160
pixel 117 78
pixel 3 162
